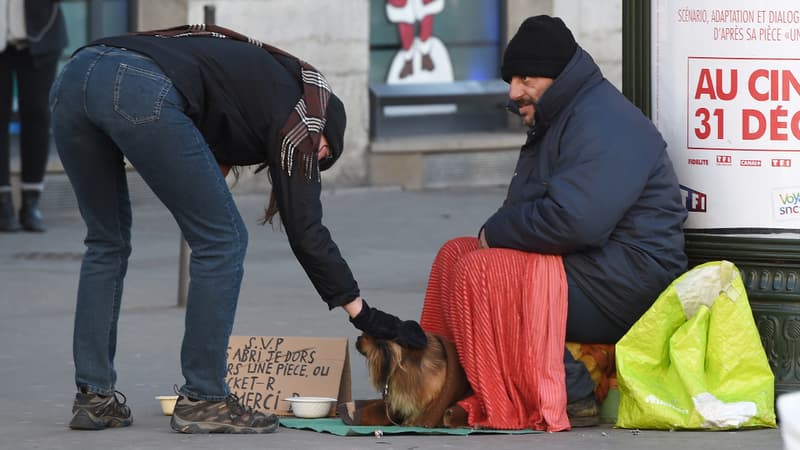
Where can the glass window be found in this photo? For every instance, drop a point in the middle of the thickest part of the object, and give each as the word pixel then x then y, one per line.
pixel 79 15
pixel 77 18
pixel 435 67
pixel 434 40
pixel 114 19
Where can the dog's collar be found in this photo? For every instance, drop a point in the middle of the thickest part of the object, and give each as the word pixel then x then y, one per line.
pixel 386 404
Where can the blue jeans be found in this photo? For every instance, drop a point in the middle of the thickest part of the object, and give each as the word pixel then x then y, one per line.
pixel 585 323
pixel 109 104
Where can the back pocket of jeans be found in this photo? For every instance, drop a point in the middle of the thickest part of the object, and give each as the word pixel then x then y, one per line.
pixel 139 93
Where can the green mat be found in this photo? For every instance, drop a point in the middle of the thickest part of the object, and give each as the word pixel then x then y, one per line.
pixel 339 428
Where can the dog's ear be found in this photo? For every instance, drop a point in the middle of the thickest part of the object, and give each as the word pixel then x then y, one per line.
pixel 382 360
pixel 391 357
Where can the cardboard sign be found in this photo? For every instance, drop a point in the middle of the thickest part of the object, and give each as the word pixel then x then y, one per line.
pixel 264 370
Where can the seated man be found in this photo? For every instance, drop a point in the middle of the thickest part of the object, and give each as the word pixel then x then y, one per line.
pixel 588 236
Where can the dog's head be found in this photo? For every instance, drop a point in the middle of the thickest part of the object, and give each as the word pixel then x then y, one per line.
pixel 403 371
pixel 414 382
pixel 384 357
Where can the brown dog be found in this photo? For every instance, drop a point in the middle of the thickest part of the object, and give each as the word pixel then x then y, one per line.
pixel 420 387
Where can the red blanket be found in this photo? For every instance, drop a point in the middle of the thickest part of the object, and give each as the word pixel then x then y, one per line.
pixel 506 312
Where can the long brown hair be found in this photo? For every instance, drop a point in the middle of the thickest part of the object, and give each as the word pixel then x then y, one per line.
pixel 272 206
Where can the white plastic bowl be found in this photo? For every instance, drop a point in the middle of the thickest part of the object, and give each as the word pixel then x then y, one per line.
pixel 167 403
pixel 310 407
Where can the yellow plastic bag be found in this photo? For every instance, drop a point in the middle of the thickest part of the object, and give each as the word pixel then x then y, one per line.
pixel 694 360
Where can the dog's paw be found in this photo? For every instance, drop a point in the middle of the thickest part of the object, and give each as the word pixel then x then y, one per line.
pixel 455 417
pixel 347 412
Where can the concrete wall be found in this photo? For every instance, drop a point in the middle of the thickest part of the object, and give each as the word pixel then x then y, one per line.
pixel 331 35
pixel 155 14
pixel 597 27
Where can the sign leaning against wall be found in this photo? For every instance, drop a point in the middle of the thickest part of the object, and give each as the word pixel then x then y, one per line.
pixel 726 97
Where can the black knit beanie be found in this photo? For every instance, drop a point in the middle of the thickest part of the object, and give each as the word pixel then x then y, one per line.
pixel 542 47
pixel 335 123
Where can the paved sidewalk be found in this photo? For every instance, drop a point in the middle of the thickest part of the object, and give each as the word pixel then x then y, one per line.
pixel 389 238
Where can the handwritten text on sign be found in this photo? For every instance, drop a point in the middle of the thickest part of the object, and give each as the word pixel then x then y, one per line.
pixel 744 104
pixel 263 370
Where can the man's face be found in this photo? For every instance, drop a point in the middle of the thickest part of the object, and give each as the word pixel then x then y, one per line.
pixel 524 91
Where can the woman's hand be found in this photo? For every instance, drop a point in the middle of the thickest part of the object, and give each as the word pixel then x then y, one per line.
pixel 323 153
pixel 482 243
pixel 382 325
pixel 324 150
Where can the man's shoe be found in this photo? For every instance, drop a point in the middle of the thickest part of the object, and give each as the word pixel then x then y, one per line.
pixel 225 416
pixel 584 412
pixel 92 411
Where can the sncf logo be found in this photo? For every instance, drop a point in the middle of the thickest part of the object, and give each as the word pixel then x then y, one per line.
pixel 696 201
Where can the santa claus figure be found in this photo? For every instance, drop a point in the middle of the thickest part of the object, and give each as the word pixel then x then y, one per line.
pixel 406 13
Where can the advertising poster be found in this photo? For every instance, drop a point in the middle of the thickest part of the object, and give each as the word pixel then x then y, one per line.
pixel 726 97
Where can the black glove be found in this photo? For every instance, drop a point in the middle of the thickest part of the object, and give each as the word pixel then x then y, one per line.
pixel 381 325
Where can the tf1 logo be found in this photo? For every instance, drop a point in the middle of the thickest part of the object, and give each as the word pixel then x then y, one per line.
pixel 696 201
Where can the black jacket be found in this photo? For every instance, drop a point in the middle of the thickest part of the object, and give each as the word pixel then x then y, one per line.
pixel 595 184
pixel 46 28
pixel 239 96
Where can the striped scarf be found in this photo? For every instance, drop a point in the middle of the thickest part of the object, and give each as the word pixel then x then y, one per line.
pixel 300 135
